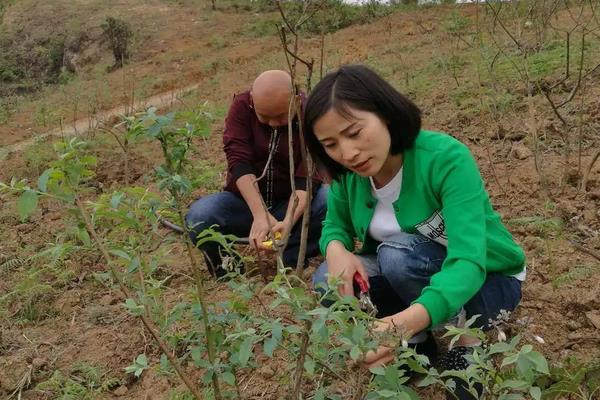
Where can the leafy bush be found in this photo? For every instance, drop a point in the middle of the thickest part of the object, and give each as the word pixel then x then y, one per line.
pixel 119 34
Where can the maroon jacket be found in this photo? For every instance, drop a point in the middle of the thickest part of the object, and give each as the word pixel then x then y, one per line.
pixel 246 143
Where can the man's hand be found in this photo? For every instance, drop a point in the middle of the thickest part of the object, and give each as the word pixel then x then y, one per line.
pixel 260 230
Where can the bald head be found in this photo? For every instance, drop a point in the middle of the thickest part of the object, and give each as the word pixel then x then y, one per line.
pixel 271 92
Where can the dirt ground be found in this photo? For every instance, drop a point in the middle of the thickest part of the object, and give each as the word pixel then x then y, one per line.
pixel 557 224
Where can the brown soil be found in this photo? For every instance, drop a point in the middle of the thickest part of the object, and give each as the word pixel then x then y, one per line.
pixel 86 322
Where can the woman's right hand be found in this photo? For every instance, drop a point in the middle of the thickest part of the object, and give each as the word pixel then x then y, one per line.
pixel 344 264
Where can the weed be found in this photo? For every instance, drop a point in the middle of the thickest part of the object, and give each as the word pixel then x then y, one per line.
pixel 578 272
pixel 217 42
pixel 36 279
pixel 83 382
pixel 7 107
pixel 45 115
pixel 456 24
pixel 262 28
pixel 207 175
pixel 572 379
pixel 542 225
pixel 38 156
pixel 218 65
pixel 180 395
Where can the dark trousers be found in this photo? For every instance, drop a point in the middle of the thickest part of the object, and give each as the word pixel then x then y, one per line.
pixel 232 215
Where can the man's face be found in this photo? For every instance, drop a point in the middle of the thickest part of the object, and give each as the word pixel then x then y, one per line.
pixel 272 112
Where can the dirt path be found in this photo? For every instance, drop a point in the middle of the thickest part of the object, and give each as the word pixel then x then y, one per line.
pixel 80 126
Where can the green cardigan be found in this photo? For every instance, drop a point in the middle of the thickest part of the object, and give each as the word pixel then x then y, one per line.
pixel 444 198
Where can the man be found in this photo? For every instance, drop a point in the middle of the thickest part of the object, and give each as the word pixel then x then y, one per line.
pixel 256 140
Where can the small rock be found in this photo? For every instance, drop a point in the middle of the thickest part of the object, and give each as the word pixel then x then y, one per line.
pixel 266 372
pixel 520 151
pixel 594 318
pixel 121 391
pixel 39 363
pixel 108 300
pixel 573 325
pixel 594 195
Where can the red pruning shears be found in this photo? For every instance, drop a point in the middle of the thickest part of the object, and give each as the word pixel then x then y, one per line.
pixel 364 299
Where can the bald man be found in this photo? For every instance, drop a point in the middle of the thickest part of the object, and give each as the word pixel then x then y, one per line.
pixel 256 140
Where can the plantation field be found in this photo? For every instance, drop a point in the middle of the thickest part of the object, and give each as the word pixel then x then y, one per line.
pixel 88 274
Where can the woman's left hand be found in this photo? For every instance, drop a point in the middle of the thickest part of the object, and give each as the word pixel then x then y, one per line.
pixel 383 354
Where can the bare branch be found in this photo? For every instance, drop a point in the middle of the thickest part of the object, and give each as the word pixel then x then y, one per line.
pixel 588 171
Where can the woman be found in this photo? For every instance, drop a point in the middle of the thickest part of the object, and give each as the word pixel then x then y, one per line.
pixel 417 202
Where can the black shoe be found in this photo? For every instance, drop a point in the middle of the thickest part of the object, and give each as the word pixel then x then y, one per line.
pixel 455 360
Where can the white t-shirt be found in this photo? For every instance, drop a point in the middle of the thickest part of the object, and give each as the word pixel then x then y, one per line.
pixel 384 223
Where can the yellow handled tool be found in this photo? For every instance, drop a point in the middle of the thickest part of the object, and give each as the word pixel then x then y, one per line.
pixel 268 244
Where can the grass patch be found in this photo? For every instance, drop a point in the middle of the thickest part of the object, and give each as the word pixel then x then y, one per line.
pixel 576 273
pixel 262 27
pixel 541 225
pixel 34 279
pixel 83 382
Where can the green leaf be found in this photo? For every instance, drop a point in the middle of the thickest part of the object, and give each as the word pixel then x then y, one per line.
pixel 392 374
pixel 164 362
pixel 120 253
pixel 43 180
pixel 115 200
pixel 427 381
pixel 515 384
pixel 133 265
pixel 207 377
pixel 319 394
pixel 196 354
pixel 228 377
pixel 501 347
pixel 84 237
pixel 142 360
pixel 309 365
pixel 541 364
pixel 509 360
pixel 386 393
pixel 377 370
pixel 133 307
pixel 245 350
pixel 355 353
pixel 138 366
pixel 27 204
pixel 271 344
pixel 535 392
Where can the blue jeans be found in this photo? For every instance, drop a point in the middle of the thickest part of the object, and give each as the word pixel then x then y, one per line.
pixel 232 215
pixel 403 267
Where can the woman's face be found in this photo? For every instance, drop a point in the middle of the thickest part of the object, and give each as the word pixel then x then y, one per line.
pixel 360 141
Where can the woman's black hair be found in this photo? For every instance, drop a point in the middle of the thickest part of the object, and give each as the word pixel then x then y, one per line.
pixel 360 88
